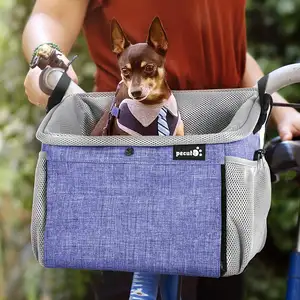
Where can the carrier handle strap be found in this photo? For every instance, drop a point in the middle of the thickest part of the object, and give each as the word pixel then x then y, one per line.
pixel 60 89
pixel 266 103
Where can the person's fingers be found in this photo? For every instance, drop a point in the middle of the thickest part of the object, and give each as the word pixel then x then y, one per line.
pixel 285 133
pixel 32 89
pixel 71 73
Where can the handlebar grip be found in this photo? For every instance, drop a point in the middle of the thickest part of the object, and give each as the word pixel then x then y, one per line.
pixel 282 77
pixel 283 156
pixel 49 79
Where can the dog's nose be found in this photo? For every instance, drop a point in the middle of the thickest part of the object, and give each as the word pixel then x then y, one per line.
pixel 136 93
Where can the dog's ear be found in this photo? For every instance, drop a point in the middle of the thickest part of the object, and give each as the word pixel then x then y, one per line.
pixel 119 41
pixel 157 37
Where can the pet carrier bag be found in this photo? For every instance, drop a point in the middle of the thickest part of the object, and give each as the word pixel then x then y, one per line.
pixel 195 205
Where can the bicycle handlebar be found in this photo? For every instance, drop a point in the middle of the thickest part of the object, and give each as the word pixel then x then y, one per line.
pixel 282 77
pixel 278 79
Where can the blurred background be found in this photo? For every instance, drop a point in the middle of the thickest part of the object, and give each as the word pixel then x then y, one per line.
pixel 273 39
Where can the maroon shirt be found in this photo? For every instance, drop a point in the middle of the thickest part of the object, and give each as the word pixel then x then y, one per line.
pixel 207 39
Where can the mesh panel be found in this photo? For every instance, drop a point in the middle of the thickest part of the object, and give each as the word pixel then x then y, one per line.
pixel 76 116
pixel 248 202
pixel 261 207
pixel 209 117
pixel 39 209
pixel 209 112
pixel 202 111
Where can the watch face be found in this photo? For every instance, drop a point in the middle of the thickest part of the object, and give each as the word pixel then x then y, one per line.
pixel 45 51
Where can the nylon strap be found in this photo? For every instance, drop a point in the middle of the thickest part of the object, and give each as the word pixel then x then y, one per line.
pixel 59 91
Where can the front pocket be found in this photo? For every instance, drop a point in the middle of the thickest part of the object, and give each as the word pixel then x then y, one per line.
pixel 138 216
pixel 39 208
pixel 248 193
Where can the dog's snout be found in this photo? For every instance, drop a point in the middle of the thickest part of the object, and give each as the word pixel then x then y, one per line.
pixel 136 93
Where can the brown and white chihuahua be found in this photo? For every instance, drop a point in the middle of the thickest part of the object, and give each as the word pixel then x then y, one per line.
pixel 143 90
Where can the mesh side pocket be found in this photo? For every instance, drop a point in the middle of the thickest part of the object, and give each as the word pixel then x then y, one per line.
pixel 248 202
pixel 262 206
pixel 39 208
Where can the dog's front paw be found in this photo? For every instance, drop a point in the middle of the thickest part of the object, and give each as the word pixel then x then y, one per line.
pixel 180 129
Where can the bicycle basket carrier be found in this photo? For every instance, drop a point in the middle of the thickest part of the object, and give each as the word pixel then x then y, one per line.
pixel 194 205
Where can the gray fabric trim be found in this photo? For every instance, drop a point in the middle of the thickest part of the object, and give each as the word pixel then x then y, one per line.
pixel 71 121
pixel 39 208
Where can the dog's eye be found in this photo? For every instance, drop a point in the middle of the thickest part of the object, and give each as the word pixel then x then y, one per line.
pixel 125 72
pixel 149 68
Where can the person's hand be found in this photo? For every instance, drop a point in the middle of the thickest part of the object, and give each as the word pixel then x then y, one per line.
pixel 288 125
pixel 31 84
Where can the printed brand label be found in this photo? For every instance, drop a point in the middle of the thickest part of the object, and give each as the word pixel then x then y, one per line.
pixel 189 152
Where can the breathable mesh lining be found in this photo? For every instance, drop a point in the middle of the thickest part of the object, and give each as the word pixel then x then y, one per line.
pixel 248 202
pixel 39 209
pixel 209 117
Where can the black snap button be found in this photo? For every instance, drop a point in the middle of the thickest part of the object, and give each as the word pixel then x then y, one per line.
pixel 129 151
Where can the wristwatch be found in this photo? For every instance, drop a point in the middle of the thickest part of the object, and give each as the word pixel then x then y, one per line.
pixel 47 55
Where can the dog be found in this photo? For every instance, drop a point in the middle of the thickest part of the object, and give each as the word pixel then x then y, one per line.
pixel 143 102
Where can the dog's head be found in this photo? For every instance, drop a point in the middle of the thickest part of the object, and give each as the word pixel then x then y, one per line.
pixel 141 64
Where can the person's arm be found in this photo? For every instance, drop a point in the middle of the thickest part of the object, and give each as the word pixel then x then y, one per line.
pixel 279 115
pixel 51 21
pixel 56 21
